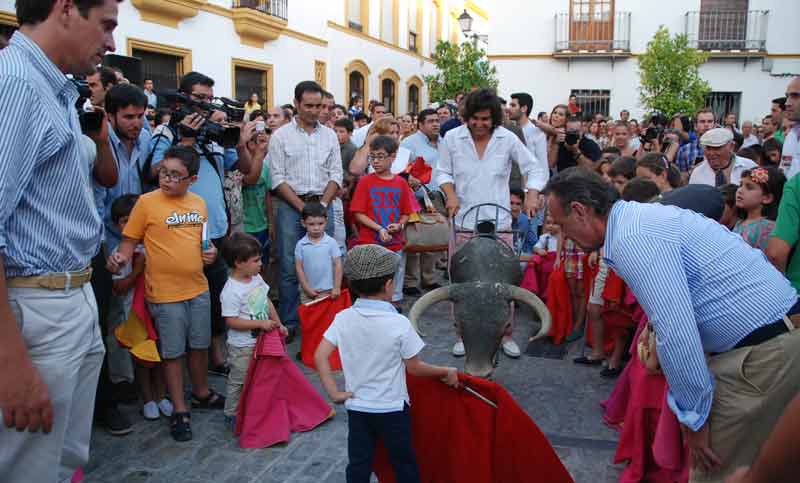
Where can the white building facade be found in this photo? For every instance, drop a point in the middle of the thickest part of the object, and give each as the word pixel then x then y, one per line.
pixel 380 49
pixel 555 48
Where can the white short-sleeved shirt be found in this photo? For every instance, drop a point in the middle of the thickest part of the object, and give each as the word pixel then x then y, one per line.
pixel 373 339
pixel 547 242
pixel 317 259
pixel 247 301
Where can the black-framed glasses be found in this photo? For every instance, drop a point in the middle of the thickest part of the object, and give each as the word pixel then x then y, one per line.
pixel 173 176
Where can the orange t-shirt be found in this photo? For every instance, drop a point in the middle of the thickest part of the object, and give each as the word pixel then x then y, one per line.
pixel 172 230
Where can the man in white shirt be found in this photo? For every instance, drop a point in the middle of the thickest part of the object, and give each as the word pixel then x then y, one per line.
pixel 475 162
pixel 520 111
pixel 360 135
pixel 152 98
pixel 790 159
pixel 720 166
pixel 305 165
pixel 747 133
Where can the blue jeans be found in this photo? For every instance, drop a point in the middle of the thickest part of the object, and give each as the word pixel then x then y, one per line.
pixel 289 232
pixel 266 244
pixel 394 429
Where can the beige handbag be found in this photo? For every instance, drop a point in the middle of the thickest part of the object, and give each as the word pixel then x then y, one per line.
pixel 427 232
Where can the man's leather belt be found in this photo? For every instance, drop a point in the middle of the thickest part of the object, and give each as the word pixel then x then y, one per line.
pixel 310 198
pixel 53 281
pixel 763 334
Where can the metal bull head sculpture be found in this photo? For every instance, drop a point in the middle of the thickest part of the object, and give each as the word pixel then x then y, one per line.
pixel 484 274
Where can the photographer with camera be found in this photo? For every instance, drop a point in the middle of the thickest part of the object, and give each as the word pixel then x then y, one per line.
pixel 221 147
pixel 657 139
pixel 574 148
pixel 50 343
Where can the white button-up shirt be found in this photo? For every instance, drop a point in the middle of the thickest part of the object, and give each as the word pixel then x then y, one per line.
pixel 306 162
pixel 485 180
pixel 703 174
pixel 535 139
pixel 790 158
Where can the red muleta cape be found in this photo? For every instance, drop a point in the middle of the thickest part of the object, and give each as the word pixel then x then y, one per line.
pixel 315 318
pixel 459 438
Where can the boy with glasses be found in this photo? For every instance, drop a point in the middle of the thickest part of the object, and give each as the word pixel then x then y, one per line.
pixel 381 206
pixel 170 221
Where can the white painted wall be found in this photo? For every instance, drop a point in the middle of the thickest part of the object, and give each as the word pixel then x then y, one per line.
pixel 214 42
pixel 517 28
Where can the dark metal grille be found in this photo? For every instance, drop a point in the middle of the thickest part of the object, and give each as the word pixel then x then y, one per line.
pixel 593 101
pixel 276 8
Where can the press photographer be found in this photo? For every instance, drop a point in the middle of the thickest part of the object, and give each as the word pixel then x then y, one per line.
pixel 574 148
pixel 658 139
pixel 220 150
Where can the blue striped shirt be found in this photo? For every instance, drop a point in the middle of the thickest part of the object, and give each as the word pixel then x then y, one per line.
pixel 48 220
pixel 128 166
pixel 688 154
pixel 703 288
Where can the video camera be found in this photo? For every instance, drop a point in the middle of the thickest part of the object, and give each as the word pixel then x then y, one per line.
pixel 225 135
pixel 657 125
pixel 91 120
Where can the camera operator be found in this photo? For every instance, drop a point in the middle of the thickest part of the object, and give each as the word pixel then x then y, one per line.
pixel 214 160
pixel 659 140
pixel 574 148
pixel 100 82
pixel 50 344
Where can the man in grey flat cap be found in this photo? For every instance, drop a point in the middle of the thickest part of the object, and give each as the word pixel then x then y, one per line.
pixel 720 165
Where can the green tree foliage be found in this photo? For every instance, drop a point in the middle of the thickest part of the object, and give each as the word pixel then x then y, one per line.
pixel 461 67
pixel 669 74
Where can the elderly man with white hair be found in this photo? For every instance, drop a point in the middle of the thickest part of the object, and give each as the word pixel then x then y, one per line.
pixel 750 139
pixel 720 165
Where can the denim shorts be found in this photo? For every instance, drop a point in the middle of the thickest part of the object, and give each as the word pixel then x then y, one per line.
pixel 182 324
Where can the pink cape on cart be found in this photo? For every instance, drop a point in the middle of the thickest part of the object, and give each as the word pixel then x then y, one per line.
pixel 277 399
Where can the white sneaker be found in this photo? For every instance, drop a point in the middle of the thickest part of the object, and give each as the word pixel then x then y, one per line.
pixel 511 349
pixel 458 349
pixel 166 408
pixel 150 411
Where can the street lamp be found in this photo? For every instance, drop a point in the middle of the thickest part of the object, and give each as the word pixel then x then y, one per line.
pixel 465 22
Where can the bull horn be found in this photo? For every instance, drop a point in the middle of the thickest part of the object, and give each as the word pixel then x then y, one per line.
pixel 531 300
pixel 421 305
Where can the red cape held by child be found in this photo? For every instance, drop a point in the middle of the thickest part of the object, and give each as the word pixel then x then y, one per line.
pixel 459 437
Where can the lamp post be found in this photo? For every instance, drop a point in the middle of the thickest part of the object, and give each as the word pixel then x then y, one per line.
pixel 465 24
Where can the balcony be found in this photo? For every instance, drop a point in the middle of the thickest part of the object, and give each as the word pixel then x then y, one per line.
pixel 600 34
pixel 728 32
pixel 259 21
pixel 275 8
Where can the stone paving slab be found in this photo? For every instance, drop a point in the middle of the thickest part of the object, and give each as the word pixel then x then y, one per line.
pixel 560 397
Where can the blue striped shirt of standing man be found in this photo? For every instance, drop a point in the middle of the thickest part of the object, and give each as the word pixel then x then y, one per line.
pixel 51 348
pixel 719 309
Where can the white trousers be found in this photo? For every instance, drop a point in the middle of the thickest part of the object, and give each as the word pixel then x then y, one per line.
pixel 63 337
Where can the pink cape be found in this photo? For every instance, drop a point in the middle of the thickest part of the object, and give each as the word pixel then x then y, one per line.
pixel 277 399
pixel 537 274
pixel 650 440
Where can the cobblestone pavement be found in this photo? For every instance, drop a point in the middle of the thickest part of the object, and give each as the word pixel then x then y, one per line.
pixel 560 397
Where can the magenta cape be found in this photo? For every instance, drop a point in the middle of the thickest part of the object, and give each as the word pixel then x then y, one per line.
pixel 277 398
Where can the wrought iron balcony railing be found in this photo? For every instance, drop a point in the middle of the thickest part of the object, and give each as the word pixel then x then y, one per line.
pixel 276 8
pixel 594 33
pixel 728 30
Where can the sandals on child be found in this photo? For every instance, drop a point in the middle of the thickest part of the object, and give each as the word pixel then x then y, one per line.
pixel 180 427
pixel 212 401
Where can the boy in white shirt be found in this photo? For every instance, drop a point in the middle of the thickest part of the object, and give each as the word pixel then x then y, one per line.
pixel 246 309
pixel 375 344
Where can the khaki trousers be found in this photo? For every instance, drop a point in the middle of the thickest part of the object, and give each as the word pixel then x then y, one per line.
pixel 64 343
pixel 238 361
pixel 424 261
pixel 753 386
